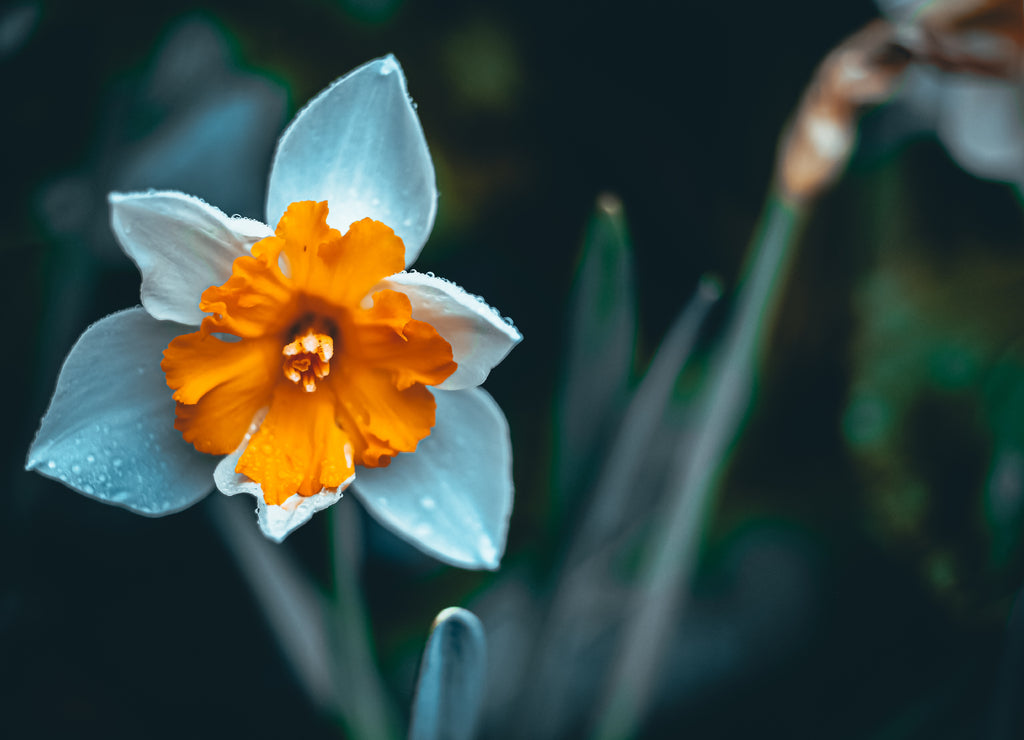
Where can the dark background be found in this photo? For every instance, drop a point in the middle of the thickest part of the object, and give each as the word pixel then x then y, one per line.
pixel 119 626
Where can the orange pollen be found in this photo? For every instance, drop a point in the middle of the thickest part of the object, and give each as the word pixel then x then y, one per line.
pixel 307 358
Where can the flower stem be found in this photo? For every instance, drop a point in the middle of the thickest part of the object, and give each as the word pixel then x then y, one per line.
pixel 667 571
pixel 327 643
pixel 361 698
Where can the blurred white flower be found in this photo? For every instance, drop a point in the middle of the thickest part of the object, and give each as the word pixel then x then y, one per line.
pixel 967 84
pixel 300 359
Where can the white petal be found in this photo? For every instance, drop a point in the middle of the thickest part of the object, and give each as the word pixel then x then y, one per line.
pixel 982 125
pixel 451 497
pixel 359 146
pixel 479 336
pixel 276 521
pixel 181 246
pixel 109 432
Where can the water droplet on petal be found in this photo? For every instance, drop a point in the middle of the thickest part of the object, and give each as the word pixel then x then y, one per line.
pixel 428 503
pixel 90 458
pixel 88 489
pixel 118 462
pixel 423 530
pixel 76 468
pixel 51 464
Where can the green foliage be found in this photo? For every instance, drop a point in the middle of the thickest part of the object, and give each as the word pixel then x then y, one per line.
pixel 936 405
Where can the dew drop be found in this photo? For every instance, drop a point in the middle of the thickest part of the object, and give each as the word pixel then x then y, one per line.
pixel 428 503
pixel 76 468
pixel 118 462
pixel 51 465
pixel 430 274
pixel 89 489
pixel 423 530
pixel 90 458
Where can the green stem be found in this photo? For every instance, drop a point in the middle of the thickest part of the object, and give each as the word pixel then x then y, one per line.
pixel 361 698
pixel 327 643
pixel 664 582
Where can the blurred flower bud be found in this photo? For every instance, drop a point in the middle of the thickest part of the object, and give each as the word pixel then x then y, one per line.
pixel 862 71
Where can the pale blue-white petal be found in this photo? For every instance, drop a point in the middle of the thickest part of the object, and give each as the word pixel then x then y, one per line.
pixel 452 680
pixel 451 497
pixel 982 125
pixel 276 521
pixel 181 246
pixel 479 336
pixel 109 432
pixel 359 146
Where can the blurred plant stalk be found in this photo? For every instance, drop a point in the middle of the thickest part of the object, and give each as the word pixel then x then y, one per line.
pixel 326 639
pixel 863 70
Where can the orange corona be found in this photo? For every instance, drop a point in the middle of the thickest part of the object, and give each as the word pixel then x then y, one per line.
pixel 299 330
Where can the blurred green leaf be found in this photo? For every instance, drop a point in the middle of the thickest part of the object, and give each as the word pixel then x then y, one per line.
pixel 664 582
pixel 601 345
pixel 589 598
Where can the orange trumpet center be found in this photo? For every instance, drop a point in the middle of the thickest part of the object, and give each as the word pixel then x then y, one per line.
pixel 301 330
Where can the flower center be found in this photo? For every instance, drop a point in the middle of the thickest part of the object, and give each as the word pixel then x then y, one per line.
pixel 307 358
pixel 320 421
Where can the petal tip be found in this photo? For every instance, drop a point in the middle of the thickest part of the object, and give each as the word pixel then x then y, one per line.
pixel 388 64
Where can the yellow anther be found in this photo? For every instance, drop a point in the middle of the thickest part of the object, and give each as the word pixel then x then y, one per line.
pixel 307 358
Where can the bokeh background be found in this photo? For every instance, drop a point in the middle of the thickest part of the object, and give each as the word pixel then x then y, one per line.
pixel 858 575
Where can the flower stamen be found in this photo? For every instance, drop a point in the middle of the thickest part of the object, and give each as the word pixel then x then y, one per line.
pixel 307 358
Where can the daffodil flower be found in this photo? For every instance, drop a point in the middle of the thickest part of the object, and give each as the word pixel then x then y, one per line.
pixel 289 363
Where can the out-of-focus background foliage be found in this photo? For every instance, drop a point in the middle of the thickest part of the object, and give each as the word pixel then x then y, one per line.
pixel 859 573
